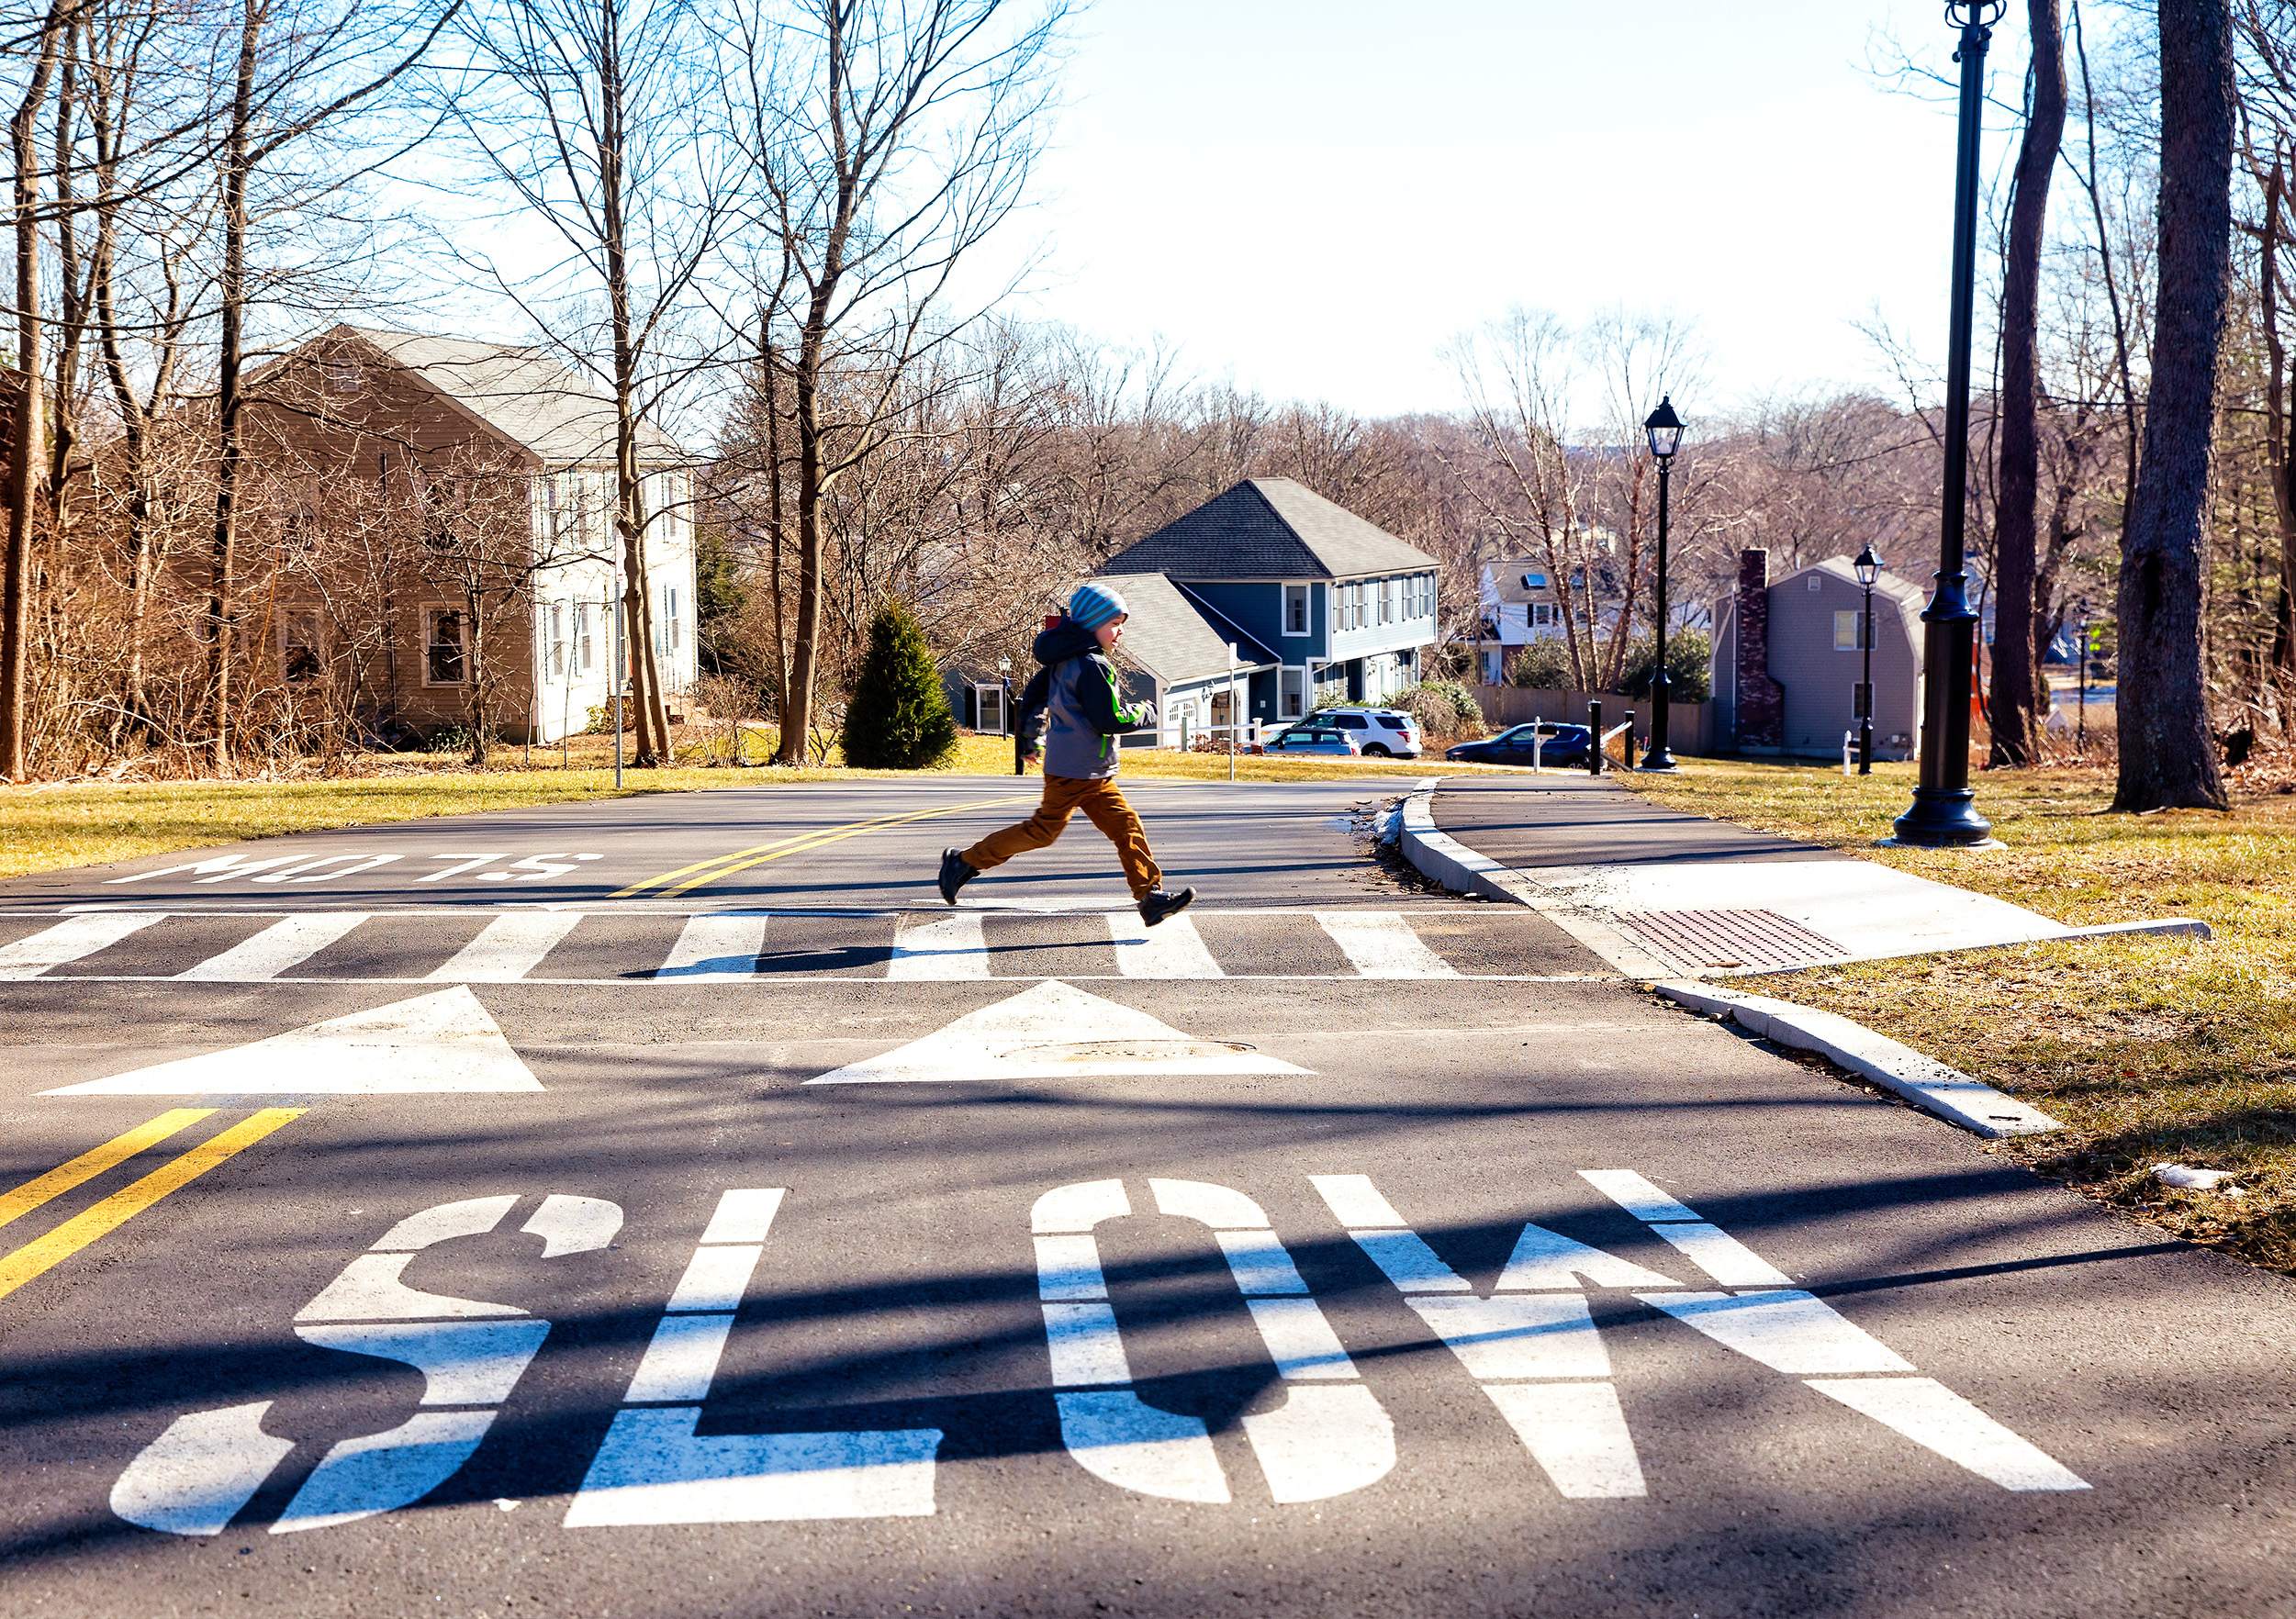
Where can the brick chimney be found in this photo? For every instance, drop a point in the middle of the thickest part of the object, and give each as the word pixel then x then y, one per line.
pixel 1760 700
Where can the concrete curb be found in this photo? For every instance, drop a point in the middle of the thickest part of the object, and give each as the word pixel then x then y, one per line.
pixel 2174 927
pixel 1445 860
pixel 1925 1082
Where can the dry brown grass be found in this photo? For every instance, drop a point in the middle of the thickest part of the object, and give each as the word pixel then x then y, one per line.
pixel 2149 1049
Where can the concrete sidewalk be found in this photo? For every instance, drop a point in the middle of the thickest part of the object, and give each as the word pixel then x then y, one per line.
pixel 1658 892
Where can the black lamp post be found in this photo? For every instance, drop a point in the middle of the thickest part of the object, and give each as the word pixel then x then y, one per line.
pixel 1664 429
pixel 1943 814
pixel 1868 566
pixel 1004 683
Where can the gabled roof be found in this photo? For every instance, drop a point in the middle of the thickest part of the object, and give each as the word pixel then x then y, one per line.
pixel 524 395
pixel 1891 590
pixel 1507 579
pixel 1269 529
pixel 1173 636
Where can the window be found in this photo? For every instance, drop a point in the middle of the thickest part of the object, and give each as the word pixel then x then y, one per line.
pixel 299 647
pixel 443 660
pixel 668 634
pixel 582 649
pixel 555 640
pixel 1816 583
pixel 1386 601
pixel 989 709
pixel 1296 612
pixel 343 378
pixel 1846 627
pixel 1291 701
pixel 1541 614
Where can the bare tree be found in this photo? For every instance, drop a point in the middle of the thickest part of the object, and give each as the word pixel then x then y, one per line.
pixel 884 140
pixel 2016 674
pixel 2167 754
pixel 300 64
pixel 593 114
pixel 26 471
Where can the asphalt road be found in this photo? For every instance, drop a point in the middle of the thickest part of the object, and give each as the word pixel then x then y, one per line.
pixel 786 1243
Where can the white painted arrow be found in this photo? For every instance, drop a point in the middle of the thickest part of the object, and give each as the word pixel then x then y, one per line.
pixel 1053 1031
pixel 441 1041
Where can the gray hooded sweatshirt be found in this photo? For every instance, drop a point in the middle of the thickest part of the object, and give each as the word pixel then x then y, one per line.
pixel 1074 695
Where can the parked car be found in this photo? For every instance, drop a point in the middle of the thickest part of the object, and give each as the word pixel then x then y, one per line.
pixel 1305 738
pixel 1557 743
pixel 1382 733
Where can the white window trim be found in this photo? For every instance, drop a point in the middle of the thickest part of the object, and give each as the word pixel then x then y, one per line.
pixel 1307 599
pixel 1285 691
pixel 1857 630
pixel 982 690
pixel 429 610
pixel 317 617
pixel 582 642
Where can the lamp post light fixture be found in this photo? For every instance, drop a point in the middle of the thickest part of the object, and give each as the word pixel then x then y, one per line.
pixel 1943 814
pixel 1868 566
pixel 1664 429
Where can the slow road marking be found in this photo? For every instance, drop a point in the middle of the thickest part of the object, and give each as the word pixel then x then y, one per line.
pixel 1531 1339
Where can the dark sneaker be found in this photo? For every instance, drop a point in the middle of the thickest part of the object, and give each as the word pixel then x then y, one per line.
pixel 954 873
pixel 1159 903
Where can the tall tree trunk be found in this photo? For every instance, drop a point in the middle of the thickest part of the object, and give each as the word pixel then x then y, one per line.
pixel 2279 428
pixel 781 531
pixel 221 607
pixel 27 458
pixel 2015 718
pixel 474 655
pixel 797 706
pixel 631 517
pixel 2168 755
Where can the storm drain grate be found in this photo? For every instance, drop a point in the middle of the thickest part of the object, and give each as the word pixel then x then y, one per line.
pixel 1731 938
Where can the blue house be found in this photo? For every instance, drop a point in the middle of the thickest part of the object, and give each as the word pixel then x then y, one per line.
pixel 1322 607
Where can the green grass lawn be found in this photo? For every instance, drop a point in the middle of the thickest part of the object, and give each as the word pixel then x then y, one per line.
pixel 2149 1049
pixel 45 828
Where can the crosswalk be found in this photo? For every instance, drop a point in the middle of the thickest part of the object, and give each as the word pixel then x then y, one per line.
pixel 446 946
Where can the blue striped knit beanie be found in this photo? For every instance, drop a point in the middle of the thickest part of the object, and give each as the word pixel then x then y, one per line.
pixel 1095 605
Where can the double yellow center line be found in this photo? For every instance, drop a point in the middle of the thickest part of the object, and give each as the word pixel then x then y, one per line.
pixel 100 1219
pixel 670 883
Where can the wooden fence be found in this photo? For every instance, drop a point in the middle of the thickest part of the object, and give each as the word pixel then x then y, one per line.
pixel 1690 725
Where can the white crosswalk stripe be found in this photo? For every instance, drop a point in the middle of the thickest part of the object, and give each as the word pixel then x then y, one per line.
pixel 715 947
pixel 289 942
pixel 1173 949
pixel 756 946
pixel 948 946
pixel 1382 946
pixel 69 941
pixel 508 947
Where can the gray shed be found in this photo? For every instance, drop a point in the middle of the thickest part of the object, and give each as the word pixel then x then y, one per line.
pixel 1788 658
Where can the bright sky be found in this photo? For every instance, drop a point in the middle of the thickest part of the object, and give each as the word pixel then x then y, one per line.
pixel 1314 196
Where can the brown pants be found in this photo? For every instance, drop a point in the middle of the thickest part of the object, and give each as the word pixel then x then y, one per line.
pixel 1102 805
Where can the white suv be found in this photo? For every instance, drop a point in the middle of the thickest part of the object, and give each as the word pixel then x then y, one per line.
pixel 1379 733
